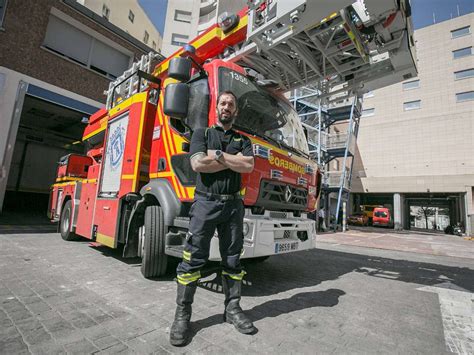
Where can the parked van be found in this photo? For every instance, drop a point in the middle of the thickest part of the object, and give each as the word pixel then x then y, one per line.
pixel 368 210
pixel 382 217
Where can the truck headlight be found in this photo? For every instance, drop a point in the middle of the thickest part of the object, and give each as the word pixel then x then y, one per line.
pixel 246 229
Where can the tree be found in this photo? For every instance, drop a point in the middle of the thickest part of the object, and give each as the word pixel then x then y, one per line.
pixel 425 212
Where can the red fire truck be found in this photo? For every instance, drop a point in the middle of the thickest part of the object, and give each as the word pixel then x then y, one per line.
pixel 134 186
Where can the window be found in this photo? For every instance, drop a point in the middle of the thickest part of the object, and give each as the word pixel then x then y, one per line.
pixel 463 74
pixel 131 16
pixel 463 52
pixel 410 85
pixel 463 31
pixel 146 37
pixel 465 96
pixel 182 16
pixel 368 112
pixel 105 11
pixel 179 40
pixel 412 105
pixel 368 94
pixel 74 44
pixel 153 45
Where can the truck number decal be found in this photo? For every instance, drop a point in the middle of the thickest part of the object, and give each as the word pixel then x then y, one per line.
pixel 239 77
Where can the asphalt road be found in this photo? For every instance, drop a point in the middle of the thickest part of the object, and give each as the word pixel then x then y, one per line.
pixel 68 297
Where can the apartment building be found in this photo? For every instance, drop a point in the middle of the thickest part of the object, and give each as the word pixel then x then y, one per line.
pixel 56 59
pixel 130 17
pixel 185 19
pixel 416 138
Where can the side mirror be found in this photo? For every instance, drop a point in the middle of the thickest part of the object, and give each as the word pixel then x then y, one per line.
pixel 176 100
pixel 180 69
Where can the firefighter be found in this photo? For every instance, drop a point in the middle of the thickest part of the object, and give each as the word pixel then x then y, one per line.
pixel 219 155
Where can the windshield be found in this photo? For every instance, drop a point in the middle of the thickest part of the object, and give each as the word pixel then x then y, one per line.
pixel 262 113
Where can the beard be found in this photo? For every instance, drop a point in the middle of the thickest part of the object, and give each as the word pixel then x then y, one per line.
pixel 226 118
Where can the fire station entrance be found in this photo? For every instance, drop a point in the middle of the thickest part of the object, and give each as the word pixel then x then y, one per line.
pixel 419 211
pixel 46 132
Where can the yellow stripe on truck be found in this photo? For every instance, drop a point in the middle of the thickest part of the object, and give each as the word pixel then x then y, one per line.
pixel 105 240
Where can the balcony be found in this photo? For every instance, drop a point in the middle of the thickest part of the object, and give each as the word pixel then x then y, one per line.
pixel 333 179
pixel 336 144
pixel 207 6
pixel 207 20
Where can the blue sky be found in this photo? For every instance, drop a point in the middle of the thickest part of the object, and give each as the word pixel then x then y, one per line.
pixel 422 11
pixel 443 10
pixel 156 11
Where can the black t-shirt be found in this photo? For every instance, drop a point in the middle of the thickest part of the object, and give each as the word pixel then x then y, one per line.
pixel 215 138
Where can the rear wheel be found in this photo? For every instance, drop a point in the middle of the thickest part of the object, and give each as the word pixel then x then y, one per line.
pixel 65 222
pixel 154 259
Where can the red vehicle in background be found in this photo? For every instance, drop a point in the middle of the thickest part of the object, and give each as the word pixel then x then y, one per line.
pixel 382 217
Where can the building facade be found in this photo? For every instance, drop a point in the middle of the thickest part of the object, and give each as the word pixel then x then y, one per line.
pixel 185 19
pixel 55 64
pixel 130 17
pixel 417 137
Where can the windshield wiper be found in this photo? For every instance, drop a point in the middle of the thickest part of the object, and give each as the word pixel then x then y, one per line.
pixel 264 137
pixel 271 139
pixel 294 149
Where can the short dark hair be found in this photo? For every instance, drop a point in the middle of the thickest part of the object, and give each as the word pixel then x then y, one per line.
pixel 227 92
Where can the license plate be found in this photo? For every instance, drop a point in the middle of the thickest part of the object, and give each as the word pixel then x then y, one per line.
pixel 286 247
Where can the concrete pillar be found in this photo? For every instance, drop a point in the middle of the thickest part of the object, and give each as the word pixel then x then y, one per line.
pixel 469 211
pixel 397 211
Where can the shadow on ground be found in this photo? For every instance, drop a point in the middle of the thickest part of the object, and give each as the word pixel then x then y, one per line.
pixel 275 308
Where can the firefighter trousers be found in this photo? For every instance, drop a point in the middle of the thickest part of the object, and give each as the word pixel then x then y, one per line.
pixel 207 215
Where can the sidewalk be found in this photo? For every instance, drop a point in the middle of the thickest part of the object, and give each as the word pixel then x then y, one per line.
pixel 443 245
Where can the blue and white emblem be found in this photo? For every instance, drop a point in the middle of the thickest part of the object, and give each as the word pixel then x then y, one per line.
pixel 116 147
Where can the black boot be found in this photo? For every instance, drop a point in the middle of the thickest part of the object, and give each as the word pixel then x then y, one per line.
pixel 233 314
pixel 179 333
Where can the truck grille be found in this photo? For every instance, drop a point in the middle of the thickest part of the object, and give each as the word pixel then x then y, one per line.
pixel 276 195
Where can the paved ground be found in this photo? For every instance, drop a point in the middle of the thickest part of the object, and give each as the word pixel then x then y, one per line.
pixel 58 297
pixel 415 242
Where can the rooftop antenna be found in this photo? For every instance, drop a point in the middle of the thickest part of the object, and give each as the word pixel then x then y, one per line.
pixel 434 18
pixel 457 6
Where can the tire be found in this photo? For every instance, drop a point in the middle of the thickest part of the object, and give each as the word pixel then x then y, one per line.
pixel 65 222
pixel 154 259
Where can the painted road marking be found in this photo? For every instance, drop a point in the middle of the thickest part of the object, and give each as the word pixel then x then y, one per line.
pixel 458 318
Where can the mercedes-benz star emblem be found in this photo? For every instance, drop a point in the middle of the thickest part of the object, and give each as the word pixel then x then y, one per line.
pixel 288 194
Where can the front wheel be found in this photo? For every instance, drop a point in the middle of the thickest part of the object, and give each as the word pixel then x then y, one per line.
pixel 154 259
pixel 65 222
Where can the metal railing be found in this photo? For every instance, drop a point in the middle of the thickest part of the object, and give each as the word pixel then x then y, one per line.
pixel 333 179
pixel 339 141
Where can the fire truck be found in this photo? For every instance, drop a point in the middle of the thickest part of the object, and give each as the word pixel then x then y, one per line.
pixel 134 186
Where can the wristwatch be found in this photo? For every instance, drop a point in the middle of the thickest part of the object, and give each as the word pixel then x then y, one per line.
pixel 218 154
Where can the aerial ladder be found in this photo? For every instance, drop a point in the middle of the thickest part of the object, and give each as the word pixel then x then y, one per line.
pixel 337 47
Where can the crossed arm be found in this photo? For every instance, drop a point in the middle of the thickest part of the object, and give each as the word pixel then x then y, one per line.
pixel 202 163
